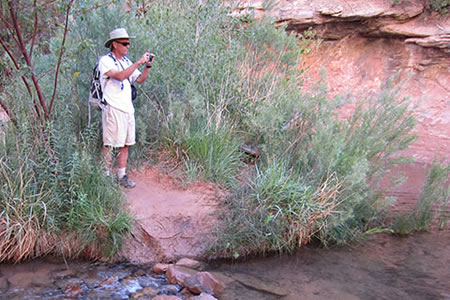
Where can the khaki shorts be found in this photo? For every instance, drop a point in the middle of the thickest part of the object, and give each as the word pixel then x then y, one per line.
pixel 118 127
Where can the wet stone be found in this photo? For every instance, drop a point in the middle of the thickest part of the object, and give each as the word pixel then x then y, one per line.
pixel 131 285
pixel 140 273
pixel 176 274
pixel 194 286
pixel 166 297
pixel 204 282
pixel 149 281
pixel 121 272
pixel 160 268
pixel 171 289
pixel 144 293
pixel 186 293
pixel 63 283
pixel 202 296
pixel 64 274
pixel 91 281
pixel 109 281
pixel 189 263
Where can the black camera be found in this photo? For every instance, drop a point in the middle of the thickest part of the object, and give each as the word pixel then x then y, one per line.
pixel 150 57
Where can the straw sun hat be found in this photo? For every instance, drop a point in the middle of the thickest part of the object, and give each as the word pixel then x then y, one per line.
pixel 117 34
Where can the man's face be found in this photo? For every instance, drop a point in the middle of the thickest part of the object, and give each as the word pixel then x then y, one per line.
pixel 122 46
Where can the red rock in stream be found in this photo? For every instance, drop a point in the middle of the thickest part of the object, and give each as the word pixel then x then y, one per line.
pixel 160 268
pixel 177 274
pixel 203 282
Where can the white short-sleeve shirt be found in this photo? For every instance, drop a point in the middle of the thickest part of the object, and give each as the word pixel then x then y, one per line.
pixel 117 93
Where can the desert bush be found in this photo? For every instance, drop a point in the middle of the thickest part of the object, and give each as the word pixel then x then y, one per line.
pixel 47 193
pixel 338 162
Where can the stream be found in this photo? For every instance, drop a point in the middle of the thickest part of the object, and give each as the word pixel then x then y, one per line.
pixel 382 267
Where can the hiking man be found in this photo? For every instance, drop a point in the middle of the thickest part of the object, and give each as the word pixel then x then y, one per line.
pixel 118 124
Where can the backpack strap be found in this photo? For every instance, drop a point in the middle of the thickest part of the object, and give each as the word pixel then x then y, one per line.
pixel 115 62
pixel 126 58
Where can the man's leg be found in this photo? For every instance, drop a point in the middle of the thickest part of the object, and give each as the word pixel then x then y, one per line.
pixel 122 159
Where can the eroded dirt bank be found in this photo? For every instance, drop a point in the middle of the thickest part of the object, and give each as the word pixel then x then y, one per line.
pixel 171 221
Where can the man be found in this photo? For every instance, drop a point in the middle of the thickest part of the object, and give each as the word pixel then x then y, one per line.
pixel 117 74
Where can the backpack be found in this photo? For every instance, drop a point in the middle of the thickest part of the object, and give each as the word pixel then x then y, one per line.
pixel 95 90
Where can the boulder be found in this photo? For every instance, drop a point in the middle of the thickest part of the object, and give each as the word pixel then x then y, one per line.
pixel 178 274
pixel 189 263
pixel 203 282
pixel 160 268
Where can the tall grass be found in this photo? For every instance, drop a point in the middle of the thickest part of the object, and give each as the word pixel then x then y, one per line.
pixel 209 154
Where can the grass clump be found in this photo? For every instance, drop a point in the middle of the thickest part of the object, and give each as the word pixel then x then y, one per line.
pixel 208 154
pixel 56 200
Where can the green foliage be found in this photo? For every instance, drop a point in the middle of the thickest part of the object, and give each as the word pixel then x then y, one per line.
pixel 211 155
pixel 309 156
pixel 276 211
pixel 441 6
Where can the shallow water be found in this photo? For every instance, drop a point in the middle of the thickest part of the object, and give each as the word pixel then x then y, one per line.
pixel 384 267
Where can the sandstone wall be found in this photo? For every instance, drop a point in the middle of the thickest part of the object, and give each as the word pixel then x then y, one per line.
pixel 367 42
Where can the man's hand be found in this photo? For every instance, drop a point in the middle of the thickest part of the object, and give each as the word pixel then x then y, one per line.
pixel 144 59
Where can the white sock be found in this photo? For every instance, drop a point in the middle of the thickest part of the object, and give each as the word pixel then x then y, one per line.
pixel 120 172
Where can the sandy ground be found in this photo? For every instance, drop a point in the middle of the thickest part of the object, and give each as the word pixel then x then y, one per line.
pixel 171 221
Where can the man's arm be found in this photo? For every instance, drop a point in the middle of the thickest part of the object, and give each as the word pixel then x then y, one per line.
pixel 143 76
pixel 126 73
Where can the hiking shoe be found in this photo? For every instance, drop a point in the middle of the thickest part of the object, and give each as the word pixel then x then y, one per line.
pixel 126 182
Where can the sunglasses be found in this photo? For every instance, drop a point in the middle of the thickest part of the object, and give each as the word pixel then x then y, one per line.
pixel 124 43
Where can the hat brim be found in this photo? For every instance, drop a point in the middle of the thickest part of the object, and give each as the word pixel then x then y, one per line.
pixel 108 42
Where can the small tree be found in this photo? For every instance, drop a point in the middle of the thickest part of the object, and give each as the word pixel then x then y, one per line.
pixel 20 38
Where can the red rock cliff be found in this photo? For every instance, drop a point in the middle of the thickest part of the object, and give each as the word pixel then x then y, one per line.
pixel 367 42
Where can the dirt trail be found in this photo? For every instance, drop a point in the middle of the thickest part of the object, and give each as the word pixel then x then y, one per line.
pixel 171 222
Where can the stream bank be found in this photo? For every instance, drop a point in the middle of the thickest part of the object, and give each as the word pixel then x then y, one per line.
pixel 383 267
